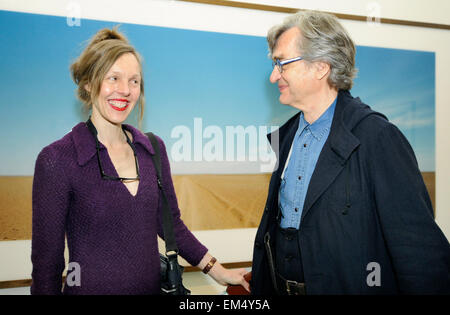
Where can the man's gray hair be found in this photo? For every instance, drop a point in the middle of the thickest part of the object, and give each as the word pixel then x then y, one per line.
pixel 324 39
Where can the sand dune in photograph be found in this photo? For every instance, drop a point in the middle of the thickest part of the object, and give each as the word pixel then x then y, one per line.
pixel 207 202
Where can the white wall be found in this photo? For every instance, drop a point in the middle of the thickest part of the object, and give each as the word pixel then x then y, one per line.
pixel 172 13
pixel 431 11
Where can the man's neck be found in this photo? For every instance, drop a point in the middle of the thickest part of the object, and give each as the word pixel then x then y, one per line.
pixel 317 105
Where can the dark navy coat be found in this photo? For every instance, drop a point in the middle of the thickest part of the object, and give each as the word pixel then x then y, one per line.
pixel 366 206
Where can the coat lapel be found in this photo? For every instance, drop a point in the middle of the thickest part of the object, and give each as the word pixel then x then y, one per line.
pixel 281 141
pixel 335 152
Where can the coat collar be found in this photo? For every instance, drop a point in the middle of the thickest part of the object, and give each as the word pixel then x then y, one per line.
pixel 84 142
pixel 341 139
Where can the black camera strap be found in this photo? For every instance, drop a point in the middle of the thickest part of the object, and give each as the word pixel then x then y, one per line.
pixel 169 236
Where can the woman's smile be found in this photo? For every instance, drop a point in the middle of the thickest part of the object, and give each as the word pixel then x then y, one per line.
pixel 119 104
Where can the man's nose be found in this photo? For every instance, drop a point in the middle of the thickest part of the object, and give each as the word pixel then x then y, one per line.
pixel 275 75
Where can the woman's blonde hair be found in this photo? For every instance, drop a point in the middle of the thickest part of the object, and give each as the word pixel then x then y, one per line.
pixel 98 57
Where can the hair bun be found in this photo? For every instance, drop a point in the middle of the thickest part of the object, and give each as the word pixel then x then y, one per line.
pixel 106 34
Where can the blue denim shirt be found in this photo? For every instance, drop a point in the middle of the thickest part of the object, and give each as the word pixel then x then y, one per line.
pixel 307 145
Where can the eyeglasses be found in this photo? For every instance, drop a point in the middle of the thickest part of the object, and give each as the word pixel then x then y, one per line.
pixel 92 129
pixel 280 64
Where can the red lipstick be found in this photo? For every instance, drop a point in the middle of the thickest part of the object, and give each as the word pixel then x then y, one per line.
pixel 120 109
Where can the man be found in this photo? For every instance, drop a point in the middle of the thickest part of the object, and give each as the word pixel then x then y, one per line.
pixel 347 210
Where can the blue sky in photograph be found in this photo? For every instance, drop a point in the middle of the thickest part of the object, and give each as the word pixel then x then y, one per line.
pixel 401 85
pixel 221 78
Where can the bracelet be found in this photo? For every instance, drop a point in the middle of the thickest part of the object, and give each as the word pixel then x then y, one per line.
pixel 209 265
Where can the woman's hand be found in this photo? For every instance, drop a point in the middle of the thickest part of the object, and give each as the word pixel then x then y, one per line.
pixel 225 276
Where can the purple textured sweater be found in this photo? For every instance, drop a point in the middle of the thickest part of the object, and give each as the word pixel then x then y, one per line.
pixel 110 234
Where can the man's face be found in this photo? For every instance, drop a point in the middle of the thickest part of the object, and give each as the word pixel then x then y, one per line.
pixel 297 81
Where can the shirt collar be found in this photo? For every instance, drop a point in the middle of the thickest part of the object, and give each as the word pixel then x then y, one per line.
pixel 85 142
pixel 321 125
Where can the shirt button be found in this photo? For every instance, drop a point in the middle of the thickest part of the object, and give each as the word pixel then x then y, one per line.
pixel 304 145
pixel 299 178
pixel 296 209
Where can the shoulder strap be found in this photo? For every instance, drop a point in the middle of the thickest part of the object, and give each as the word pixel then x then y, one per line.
pixel 169 236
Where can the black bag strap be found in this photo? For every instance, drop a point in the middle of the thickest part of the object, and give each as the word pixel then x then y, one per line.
pixel 169 235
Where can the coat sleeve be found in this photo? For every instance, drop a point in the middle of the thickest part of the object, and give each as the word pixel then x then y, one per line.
pixel 49 203
pixel 419 251
pixel 190 248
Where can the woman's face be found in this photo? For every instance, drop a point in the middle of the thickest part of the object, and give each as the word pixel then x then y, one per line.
pixel 120 90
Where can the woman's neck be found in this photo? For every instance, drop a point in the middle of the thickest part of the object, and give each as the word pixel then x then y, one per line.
pixel 109 134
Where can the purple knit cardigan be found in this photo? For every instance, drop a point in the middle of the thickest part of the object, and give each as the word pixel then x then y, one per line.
pixel 111 235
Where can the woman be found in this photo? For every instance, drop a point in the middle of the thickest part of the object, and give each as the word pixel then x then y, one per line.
pixel 97 186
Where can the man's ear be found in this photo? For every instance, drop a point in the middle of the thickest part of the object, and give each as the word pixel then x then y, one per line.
pixel 322 70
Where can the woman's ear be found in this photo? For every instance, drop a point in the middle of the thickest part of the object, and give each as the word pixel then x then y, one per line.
pixel 87 88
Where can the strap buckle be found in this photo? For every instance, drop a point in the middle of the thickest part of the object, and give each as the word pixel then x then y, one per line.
pixel 295 288
pixel 172 253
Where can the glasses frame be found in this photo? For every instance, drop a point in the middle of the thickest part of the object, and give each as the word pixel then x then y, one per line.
pixel 93 130
pixel 280 64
